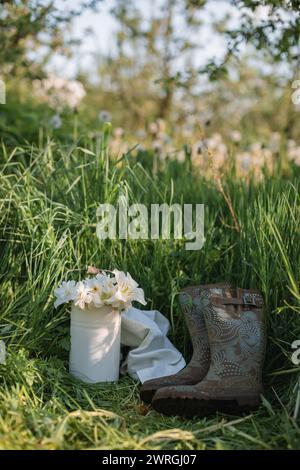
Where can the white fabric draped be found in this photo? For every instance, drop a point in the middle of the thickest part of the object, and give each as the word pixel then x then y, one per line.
pixel 151 353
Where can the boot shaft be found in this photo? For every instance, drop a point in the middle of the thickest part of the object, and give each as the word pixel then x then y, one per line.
pixel 194 300
pixel 236 332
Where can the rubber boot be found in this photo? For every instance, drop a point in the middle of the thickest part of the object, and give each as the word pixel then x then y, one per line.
pixel 233 384
pixel 192 300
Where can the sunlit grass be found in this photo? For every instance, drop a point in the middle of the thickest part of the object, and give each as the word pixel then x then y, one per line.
pixel 48 201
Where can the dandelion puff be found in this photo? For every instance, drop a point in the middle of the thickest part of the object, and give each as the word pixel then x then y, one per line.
pixel 55 122
pixel 104 116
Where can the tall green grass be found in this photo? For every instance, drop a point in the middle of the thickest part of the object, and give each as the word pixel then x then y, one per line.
pixel 48 200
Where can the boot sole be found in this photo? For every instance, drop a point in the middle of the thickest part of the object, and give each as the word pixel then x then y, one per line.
pixel 190 407
pixel 147 395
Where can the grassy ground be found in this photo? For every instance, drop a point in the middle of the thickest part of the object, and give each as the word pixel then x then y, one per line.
pixel 48 200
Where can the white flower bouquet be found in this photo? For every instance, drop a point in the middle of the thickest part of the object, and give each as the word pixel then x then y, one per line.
pixel 118 291
pixel 96 322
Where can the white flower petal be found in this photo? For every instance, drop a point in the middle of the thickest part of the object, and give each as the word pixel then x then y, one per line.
pixel 139 296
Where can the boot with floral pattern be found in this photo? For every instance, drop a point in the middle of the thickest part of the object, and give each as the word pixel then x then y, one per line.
pixel 236 332
pixel 193 301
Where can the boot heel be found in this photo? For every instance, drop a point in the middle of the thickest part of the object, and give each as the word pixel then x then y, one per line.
pixel 248 401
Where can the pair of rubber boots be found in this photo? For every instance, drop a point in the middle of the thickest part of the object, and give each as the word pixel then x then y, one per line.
pixel 227 330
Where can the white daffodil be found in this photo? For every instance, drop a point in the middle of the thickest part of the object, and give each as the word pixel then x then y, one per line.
pixel 2 352
pixel 95 285
pixel 83 295
pixel 103 289
pixel 127 291
pixel 109 290
pixel 118 290
pixel 65 292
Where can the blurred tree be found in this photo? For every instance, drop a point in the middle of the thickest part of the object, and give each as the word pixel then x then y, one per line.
pixel 30 32
pixel 154 40
pixel 153 71
pixel 271 26
pixel 28 25
pixel 245 100
pixel 149 71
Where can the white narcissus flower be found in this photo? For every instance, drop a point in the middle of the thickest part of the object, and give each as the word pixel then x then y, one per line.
pixel 128 290
pixel 2 352
pixel 65 292
pixel 83 295
pixel 118 291
pixel 109 291
pixel 95 286
pixel 103 289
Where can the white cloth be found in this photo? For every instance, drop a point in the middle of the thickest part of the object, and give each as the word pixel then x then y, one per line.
pixel 152 354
